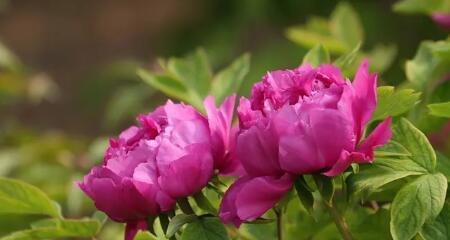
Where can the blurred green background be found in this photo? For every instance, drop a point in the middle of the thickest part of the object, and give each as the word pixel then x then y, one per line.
pixel 68 68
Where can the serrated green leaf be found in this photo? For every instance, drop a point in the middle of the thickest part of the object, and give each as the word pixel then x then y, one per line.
pixel 440 109
pixel 346 25
pixel 416 143
pixel 205 228
pixel 383 171
pixel 417 202
pixel 304 194
pixel 57 228
pixel 438 228
pixel 194 71
pixel 316 56
pixel 393 102
pixel 178 222
pixel 22 198
pixel 229 80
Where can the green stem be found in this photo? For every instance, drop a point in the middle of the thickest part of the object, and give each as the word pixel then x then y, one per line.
pixel 339 221
pixel 279 215
pixel 185 207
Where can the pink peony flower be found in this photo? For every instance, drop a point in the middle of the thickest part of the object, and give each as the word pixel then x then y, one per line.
pixel 442 19
pixel 171 154
pixel 301 121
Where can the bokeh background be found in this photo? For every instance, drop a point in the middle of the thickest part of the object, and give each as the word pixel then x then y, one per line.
pixel 68 68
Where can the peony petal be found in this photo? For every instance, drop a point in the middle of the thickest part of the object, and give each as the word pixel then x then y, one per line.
pixel 119 198
pixel 365 100
pixel 258 151
pixel 442 18
pixel 380 136
pixel 223 135
pixel 188 174
pixel 228 210
pixel 341 165
pixel 260 194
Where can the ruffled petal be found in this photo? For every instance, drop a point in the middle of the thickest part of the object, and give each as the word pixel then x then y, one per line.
pixel 223 135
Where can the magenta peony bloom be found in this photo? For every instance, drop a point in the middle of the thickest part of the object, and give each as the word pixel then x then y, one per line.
pixel 301 121
pixel 172 154
pixel 442 19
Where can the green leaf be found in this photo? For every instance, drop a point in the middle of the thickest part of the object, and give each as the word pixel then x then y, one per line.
pixel 381 57
pixel 309 39
pixel 428 67
pixel 57 228
pixel 144 235
pixel 392 149
pixel 440 109
pixel 205 228
pixel 316 56
pixel 194 71
pixel 203 203
pixel 438 228
pixel 345 61
pixel 417 202
pixel 229 80
pixel 443 165
pixel 372 177
pixel 325 185
pixel 346 25
pixel 304 194
pixel 416 143
pixel 420 6
pixel 393 102
pixel 171 87
pixel 165 84
pixel 22 198
pixel 177 222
